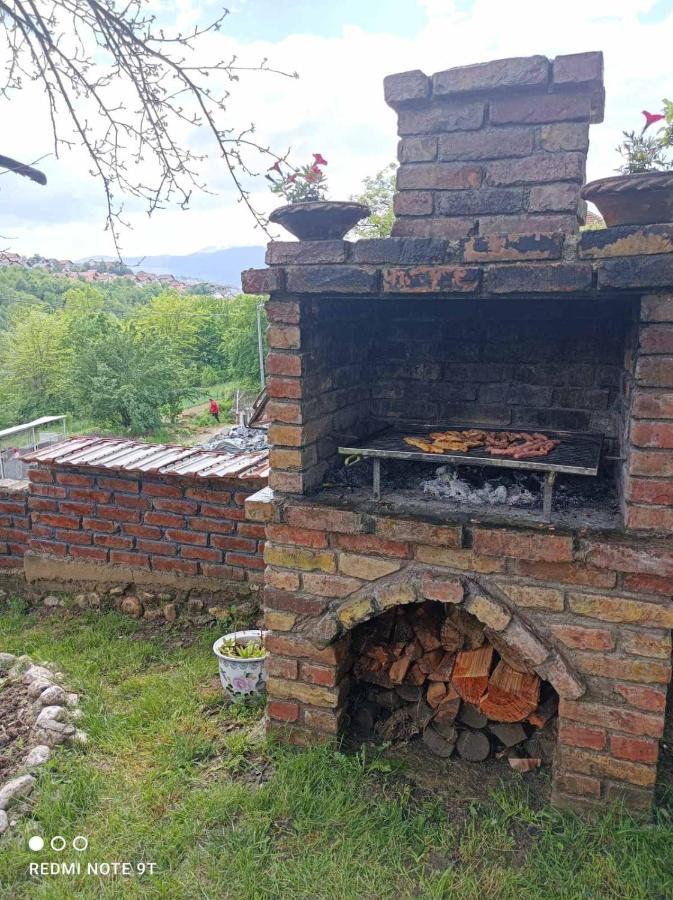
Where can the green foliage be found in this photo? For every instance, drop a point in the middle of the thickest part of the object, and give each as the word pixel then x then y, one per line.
pixel 378 196
pixel 242 649
pixel 113 355
pixel 239 338
pixel 641 153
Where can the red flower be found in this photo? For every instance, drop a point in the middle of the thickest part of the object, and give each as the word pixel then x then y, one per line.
pixel 291 178
pixel 319 159
pixel 275 167
pixel 651 118
pixel 316 169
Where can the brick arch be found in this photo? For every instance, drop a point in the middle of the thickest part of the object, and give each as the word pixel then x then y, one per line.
pixel 506 626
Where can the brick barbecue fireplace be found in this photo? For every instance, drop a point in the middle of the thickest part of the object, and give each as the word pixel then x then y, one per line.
pixel 487 308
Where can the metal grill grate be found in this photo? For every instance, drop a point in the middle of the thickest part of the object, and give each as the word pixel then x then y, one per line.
pixel 577 454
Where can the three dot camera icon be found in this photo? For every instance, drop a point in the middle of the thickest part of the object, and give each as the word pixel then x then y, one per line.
pixel 58 843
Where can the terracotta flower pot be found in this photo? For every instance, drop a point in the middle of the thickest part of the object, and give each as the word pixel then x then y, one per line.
pixel 319 220
pixel 642 199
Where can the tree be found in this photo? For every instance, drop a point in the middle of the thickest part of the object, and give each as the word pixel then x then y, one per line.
pixel 121 380
pixel 33 365
pixel 116 84
pixel 239 342
pixel 378 195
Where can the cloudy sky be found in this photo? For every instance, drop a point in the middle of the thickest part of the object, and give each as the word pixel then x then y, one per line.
pixel 341 52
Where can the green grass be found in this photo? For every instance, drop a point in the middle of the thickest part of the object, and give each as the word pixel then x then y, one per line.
pixel 172 776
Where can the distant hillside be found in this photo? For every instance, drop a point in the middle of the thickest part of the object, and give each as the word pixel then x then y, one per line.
pixel 215 266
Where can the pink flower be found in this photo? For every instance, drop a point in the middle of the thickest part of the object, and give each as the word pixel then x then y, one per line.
pixel 651 118
pixel 291 178
pixel 319 159
pixel 275 167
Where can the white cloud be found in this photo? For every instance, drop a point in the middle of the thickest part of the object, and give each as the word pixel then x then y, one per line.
pixel 337 108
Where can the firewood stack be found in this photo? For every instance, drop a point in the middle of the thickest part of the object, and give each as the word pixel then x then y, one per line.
pixel 433 670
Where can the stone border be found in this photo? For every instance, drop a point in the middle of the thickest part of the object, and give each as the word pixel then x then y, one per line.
pixel 52 711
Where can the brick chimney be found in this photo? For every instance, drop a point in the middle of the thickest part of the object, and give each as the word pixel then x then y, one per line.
pixel 496 147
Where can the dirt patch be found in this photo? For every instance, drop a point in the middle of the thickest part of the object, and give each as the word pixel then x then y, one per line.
pixel 14 727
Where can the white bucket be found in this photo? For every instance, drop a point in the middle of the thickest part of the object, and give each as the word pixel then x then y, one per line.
pixel 241 678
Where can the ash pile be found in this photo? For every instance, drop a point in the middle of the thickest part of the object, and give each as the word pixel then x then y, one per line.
pixel 478 489
pixel 433 672
pixel 238 439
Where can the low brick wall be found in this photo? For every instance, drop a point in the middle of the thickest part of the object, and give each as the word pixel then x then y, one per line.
pixel 181 526
pixel 14 523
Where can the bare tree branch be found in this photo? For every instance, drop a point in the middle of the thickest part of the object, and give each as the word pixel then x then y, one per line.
pixel 12 165
pixel 131 95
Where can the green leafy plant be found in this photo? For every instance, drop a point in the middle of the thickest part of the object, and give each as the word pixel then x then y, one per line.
pixel 300 185
pixel 378 193
pixel 648 153
pixel 241 649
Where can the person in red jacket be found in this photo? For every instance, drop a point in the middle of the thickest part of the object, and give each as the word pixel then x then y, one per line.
pixel 214 407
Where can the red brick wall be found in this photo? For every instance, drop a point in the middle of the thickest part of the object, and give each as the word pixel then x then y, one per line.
pixel 166 524
pixel 596 605
pixel 14 524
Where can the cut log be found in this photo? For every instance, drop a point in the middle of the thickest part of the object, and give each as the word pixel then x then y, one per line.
pixel 452 639
pixel 545 711
pixel 403 630
pixel 415 675
pixel 436 693
pixel 398 671
pixel 511 696
pixel 410 692
pixel 436 743
pixel 424 714
pixel 448 708
pixel 472 716
pixel 473 746
pixel 508 733
pixel 389 699
pixel 365 671
pixel 471 671
pixel 520 764
pixel 429 661
pixel 428 637
pixel 471 628
pixel 442 671
pixel 447 730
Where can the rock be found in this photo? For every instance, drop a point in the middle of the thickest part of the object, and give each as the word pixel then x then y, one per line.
pixel 53 600
pixel 6 660
pixel 153 615
pixel 16 788
pixel 131 606
pixel 118 590
pixel 146 596
pixel 218 612
pixel 4 821
pixel 80 737
pixel 410 692
pixel 20 665
pixel 72 699
pixel 93 600
pixel 509 733
pixel 170 612
pixel 436 743
pixel 37 673
pixel 38 756
pixel 80 601
pixel 51 696
pixel 37 687
pixel 194 605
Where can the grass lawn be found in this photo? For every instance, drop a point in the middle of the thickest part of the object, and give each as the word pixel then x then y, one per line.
pixel 172 777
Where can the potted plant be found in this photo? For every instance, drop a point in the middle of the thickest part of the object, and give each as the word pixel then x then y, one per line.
pixel 242 661
pixel 307 215
pixel 643 193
